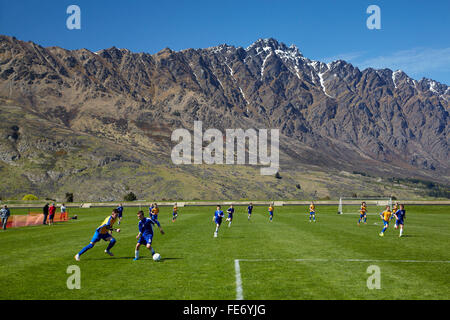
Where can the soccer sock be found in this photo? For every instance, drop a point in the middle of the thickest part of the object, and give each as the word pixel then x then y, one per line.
pixel 136 254
pixel 365 219
pixel 401 231
pixel 89 246
pixel 111 244
pixel 152 251
pixel 384 229
pixel 217 229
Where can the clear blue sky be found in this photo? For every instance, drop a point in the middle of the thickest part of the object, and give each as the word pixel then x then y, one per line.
pixel 414 35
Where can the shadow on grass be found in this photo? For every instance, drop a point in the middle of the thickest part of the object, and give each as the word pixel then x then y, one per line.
pixel 131 258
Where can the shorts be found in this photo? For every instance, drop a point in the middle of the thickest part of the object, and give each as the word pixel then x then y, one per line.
pixel 399 222
pixel 145 239
pixel 120 214
pixel 100 236
pixel 218 221
pixel 312 212
pixel 51 217
pixel 230 217
pixel 271 213
pixel 174 214
pixel 386 223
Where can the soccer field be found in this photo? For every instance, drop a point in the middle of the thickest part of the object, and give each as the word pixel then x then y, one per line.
pixel 289 258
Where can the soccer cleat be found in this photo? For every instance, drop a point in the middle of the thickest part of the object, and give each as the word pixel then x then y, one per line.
pixel 215 234
pixel 109 252
pixel 77 257
pixel 135 259
pixel 381 234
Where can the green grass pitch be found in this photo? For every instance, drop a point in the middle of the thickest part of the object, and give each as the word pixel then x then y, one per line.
pixel 194 265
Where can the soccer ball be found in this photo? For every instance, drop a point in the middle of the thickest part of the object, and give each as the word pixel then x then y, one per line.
pixel 156 257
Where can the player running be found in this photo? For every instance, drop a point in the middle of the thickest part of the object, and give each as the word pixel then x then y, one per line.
pixel 175 212
pixel 230 212
pixel 218 215
pixel 394 210
pixel 363 213
pixel 249 210
pixel 120 209
pixel 385 216
pixel 145 235
pixel 271 212
pixel 400 216
pixel 312 212
pixel 154 214
pixel 103 232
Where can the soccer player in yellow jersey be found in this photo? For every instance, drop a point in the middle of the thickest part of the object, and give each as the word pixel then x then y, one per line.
pixel 394 210
pixel 174 212
pixel 363 213
pixel 103 232
pixel 385 216
pixel 271 212
pixel 312 212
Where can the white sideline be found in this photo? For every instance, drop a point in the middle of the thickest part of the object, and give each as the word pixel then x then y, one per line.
pixel 237 267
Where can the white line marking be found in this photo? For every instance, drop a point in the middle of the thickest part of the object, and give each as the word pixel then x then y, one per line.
pixel 346 260
pixel 237 268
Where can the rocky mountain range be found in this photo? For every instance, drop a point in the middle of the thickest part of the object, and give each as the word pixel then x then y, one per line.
pixel 99 123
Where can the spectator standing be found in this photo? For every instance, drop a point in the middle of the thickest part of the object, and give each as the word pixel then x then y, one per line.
pixel 51 214
pixel 45 211
pixel 5 213
pixel 63 211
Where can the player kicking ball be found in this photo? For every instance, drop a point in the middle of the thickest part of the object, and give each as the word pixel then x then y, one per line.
pixel 218 215
pixel 103 232
pixel 399 218
pixel 145 235
pixel 230 212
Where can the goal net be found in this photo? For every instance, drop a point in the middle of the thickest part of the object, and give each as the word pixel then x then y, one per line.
pixel 374 205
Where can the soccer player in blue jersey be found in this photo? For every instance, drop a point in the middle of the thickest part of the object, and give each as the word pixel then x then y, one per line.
pixel 120 209
pixel 103 232
pixel 249 210
pixel 230 212
pixel 400 216
pixel 218 215
pixel 145 235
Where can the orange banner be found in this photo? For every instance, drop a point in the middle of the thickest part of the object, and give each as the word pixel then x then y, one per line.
pixel 33 219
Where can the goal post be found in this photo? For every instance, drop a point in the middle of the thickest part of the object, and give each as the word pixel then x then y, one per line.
pixel 350 205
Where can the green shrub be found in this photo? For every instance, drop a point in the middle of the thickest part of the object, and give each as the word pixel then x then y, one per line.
pixel 30 197
pixel 130 197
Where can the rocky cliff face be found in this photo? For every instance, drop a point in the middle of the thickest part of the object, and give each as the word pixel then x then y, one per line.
pixel 331 116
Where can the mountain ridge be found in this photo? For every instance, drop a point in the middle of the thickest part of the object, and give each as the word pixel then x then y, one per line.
pixel 331 114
